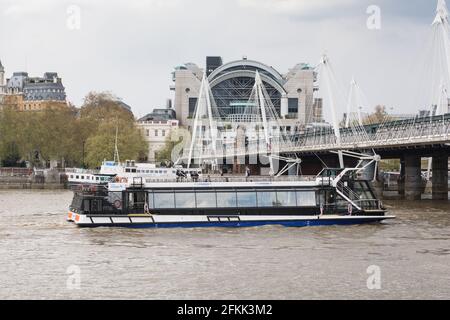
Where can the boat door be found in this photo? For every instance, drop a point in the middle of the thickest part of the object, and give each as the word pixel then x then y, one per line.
pixel 327 201
pixel 136 201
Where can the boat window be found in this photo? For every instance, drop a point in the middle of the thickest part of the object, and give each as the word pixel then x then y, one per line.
pixel 78 177
pixel 96 178
pixel 286 199
pixel 71 176
pixel 86 205
pixel 164 200
pixel 267 199
pixel 96 206
pixel 185 200
pixel 246 199
pixel 306 198
pixel 206 200
pixel 226 199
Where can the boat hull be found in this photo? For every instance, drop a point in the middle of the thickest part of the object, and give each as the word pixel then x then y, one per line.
pixel 221 222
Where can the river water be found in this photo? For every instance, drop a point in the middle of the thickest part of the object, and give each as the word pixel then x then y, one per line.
pixel 44 257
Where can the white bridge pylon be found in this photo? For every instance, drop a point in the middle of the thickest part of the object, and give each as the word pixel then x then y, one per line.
pixel 326 71
pixel 440 80
pixel 205 127
pixel 267 116
pixel 208 139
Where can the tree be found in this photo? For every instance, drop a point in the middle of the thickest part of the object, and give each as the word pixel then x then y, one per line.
pixel 165 154
pixel 69 134
pixel 130 142
pixel 379 116
pixel 100 115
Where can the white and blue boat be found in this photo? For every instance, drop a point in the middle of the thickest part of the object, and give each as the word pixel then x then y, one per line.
pixel 334 197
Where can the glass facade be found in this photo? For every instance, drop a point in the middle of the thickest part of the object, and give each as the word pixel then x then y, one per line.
pixel 185 200
pixel 267 199
pixel 306 198
pixel 286 199
pixel 239 89
pixel 206 199
pixel 226 199
pixel 246 199
pixel 164 200
pixel 232 199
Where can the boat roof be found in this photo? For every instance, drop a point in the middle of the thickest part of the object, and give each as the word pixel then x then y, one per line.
pixel 214 185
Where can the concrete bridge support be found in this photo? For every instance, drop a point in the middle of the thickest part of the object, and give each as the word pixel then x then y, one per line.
pixel 401 179
pixel 413 177
pixel 440 176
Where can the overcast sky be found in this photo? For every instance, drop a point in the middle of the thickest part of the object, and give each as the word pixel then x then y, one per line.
pixel 131 47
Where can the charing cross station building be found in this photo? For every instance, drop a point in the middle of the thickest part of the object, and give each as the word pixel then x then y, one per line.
pixel 291 93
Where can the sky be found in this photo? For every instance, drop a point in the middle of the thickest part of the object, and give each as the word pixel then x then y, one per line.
pixel 131 47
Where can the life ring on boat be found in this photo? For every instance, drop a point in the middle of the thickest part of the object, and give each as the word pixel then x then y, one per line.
pixel 123 180
pixel 118 204
pixel 117 179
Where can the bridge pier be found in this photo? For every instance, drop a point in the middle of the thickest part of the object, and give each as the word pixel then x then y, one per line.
pixel 401 179
pixel 413 177
pixel 440 176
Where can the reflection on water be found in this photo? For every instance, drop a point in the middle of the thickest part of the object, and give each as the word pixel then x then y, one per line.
pixel 38 246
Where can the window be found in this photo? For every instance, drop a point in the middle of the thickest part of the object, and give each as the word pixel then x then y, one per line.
pixel 246 199
pixel 206 200
pixel 192 105
pixel 163 133
pixel 293 105
pixel 164 200
pixel 226 199
pixel 286 199
pixel 156 132
pixel 185 200
pixel 150 200
pixel 148 133
pixel 306 198
pixel 267 199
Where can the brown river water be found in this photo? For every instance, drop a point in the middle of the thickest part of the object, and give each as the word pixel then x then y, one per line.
pixel 44 257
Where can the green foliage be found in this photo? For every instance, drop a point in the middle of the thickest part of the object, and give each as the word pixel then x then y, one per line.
pixel 165 154
pixel 389 165
pixel 130 142
pixel 78 138
pixel 379 116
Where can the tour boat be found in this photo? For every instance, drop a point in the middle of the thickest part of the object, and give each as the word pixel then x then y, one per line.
pixel 334 197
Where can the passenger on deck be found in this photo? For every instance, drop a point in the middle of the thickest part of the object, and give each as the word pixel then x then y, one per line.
pixel 181 175
pixel 194 176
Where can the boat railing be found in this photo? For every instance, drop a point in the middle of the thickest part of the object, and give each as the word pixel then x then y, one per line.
pixel 207 179
pixel 81 171
pixel 89 189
